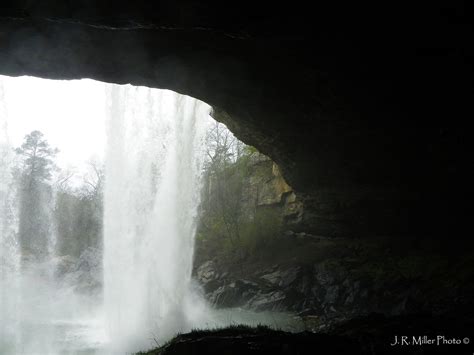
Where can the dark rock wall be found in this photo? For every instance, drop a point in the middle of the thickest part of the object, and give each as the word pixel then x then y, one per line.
pixel 324 279
pixel 342 280
pixel 265 188
pixel 364 107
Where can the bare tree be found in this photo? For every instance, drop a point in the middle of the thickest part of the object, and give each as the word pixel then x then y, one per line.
pixel 223 183
pixel 94 179
pixel 221 144
pixel 62 183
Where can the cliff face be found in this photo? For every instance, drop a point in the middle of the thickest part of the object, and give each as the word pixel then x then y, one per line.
pixel 281 265
pixel 246 204
pixel 266 188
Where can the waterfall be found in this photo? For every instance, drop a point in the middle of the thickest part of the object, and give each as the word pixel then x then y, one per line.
pixel 153 168
pixel 153 165
pixel 9 247
pixel 27 288
pixel 154 160
pixel 31 299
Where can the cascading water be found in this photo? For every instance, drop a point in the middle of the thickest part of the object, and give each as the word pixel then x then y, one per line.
pixel 38 313
pixel 153 168
pixel 9 248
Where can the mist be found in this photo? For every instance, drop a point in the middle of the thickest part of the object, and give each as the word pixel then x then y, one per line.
pixel 100 190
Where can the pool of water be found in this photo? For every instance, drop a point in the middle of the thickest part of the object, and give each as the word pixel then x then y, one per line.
pixel 89 336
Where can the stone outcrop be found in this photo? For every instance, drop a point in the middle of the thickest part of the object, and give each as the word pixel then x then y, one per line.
pixel 325 279
pixel 265 187
pixel 343 283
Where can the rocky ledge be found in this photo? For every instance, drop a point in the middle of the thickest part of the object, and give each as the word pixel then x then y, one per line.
pixel 325 281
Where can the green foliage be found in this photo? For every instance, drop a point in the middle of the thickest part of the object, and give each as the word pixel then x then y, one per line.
pixel 78 212
pixel 259 233
pixel 249 150
pixel 34 224
pixel 226 221
pixel 78 223
pixel 76 215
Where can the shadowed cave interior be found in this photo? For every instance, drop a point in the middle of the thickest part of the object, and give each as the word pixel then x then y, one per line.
pixel 360 115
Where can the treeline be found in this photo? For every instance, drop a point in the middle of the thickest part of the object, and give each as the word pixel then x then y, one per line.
pixel 231 221
pixel 78 212
pixel 54 217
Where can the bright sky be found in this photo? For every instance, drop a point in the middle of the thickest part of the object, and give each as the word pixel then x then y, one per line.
pixel 70 114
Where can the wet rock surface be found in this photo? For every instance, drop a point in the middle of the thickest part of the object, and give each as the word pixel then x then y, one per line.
pixel 324 279
pixel 341 287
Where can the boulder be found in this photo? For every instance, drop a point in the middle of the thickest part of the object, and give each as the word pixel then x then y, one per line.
pixel 234 294
pixel 208 277
pixel 272 301
pixel 290 276
pixel 274 278
pixel 207 272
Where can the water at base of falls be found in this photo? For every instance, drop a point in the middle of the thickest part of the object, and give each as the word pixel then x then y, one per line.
pixel 49 317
